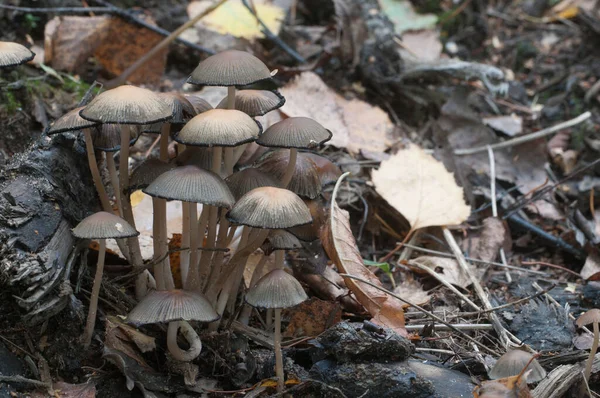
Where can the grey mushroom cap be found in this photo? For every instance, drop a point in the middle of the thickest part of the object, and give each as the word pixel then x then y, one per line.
pixel 230 68
pixel 200 104
pixel 277 289
pixel 295 132
pixel 588 317
pixel 195 156
pixel 148 171
pixel 513 362
pixel 107 137
pixel 219 127
pixel 164 306
pixel 127 105
pixel 255 102
pixel 270 208
pixel 280 239
pixel 244 181
pixel 191 184
pixel 70 121
pixel 183 111
pixel 13 54
pixel 305 181
pixel 104 225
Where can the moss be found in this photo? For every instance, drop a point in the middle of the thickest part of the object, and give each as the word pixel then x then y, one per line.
pixel 10 102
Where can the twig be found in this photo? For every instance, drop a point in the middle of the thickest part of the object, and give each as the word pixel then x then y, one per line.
pixel 474 260
pixel 503 334
pixel 494 204
pixel 444 282
pixel 21 379
pixel 424 311
pixel 273 37
pixel 526 138
pixel 156 49
pixel 109 9
pixel 459 326
pixel 545 264
pixel 501 307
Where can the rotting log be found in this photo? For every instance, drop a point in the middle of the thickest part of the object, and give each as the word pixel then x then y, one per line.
pixel 44 191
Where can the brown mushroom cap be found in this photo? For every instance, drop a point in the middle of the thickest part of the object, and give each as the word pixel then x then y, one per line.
pixel 588 317
pixel 107 137
pixel 305 181
pixel 200 104
pixel 244 181
pixel 104 225
pixel 191 184
pixel 70 121
pixel 277 289
pixel 513 362
pixel 164 306
pixel 13 54
pixel 147 171
pixel 295 132
pixel 219 127
pixel 310 232
pixel 255 102
pixel 328 171
pixel 230 68
pixel 127 105
pixel 280 239
pixel 270 208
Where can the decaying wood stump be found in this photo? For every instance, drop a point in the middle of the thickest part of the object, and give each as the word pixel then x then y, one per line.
pixel 44 191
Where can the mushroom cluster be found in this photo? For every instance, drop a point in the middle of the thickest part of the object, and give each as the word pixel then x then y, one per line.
pixel 228 212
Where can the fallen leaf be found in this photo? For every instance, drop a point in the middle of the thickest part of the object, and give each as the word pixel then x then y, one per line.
pixel 234 18
pixel 566 160
pixel 424 45
pixel 492 238
pixel 356 125
pixel 414 290
pixel 510 125
pixel 312 317
pixel 591 266
pixel 421 189
pixel 509 387
pixel 340 245
pixel 127 340
pixel 404 17
pixel 66 390
pixel 446 267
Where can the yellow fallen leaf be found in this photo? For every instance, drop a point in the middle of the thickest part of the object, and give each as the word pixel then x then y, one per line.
pixel 235 19
pixel 421 189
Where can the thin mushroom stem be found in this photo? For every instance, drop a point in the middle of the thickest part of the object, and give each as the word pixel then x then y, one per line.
pixel 184 255
pixel 164 142
pixel 190 335
pixel 162 270
pixel 193 236
pixel 141 284
pixel 278 354
pixel 228 155
pixel 91 319
pixel 291 167
pixel 195 279
pixel 156 242
pixel 221 243
pixel 206 256
pixel 590 361
pixel 256 274
pixel 114 179
pixel 91 155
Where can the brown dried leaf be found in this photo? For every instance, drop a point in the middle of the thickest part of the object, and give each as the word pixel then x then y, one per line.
pixel 356 125
pixel 509 387
pixel 66 390
pixel 340 245
pixel 493 237
pixel 414 290
pixel 125 43
pixel 312 317
pixel 591 266
pixel 127 340
pixel 421 189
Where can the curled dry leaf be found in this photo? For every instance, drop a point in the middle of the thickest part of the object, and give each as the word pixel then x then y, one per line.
pixel 421 189
pixel 340 245
pixel 509 387
pixel 447 267
pixel 493 237
pixel 127 340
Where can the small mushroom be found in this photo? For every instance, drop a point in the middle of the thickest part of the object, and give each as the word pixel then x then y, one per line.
pixel 255 102
pixel 246 180
pixel 592 316
pixel 513 362
pixel 294 133
pixel 100 226
pixel 277 290
pixel 305 181
pixel 13 54
pixel 175 307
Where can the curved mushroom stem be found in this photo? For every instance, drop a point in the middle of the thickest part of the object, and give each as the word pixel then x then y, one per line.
pixel 291 167
pixel 91 155
pixel 590 361
pixel 133 243
pixel 91 318
pixel 190 335
pixel 221 243
pixel 278 353
pixel 114 179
